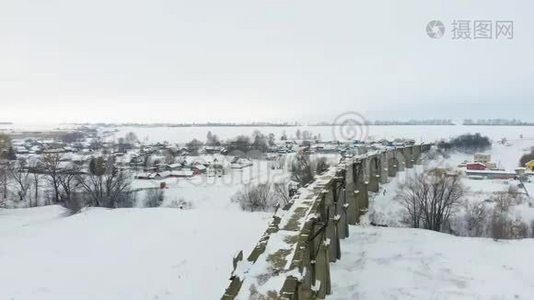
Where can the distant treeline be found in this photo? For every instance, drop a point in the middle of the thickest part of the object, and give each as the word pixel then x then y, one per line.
pixel 396 122
pixel 497 122
pixel 254 124
pixel 466 143
pixel 435 122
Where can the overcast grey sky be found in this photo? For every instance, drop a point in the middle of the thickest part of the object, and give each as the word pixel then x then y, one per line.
pixel 270 60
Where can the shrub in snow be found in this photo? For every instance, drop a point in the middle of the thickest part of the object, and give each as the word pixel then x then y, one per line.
pixel 321 165
pixel 503 225
pixel 280 191
pixel 74 203
pixel 126 199
pixel 476 216
pixel 258 197
pixel 495 218
pixel 154 197
pixel 178 203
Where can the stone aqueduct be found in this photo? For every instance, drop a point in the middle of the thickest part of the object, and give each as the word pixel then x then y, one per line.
pixel 292 259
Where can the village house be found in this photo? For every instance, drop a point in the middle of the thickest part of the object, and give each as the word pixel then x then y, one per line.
pixel 490 174
pixel 475 166
pixel 482 158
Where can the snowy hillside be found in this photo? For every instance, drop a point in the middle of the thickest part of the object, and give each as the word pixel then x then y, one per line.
pixel 158 253
pixel 401 263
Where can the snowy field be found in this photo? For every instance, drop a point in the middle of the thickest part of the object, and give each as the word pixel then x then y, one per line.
pixel 404 263
pixel 136 253
pixel 401 263
pixel 149 253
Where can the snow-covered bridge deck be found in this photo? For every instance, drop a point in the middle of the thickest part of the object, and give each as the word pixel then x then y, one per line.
pixel 292 258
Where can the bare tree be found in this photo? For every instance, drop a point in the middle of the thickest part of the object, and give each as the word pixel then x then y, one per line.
pixel 503 225
pixel 170 156
pixel 105 185
pixel 321 165
pixel 50 165
pixel 476 215
pixel 301 169
pixel 409 196
pixel 281 192
pixel 3 179
pixel 430 198
pixel 69 181
pixel 5 146
pixel 18 172
pixel 36 179
pixel 193 147
pixel 131 138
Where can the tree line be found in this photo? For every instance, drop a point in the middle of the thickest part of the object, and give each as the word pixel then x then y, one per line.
pixel 102 185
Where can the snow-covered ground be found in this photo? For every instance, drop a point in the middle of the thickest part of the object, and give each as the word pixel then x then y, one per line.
pixel 133 253
pixel 401 263
pixel 206 192
pixel 385 210
pixel 405 263
pixel 157 253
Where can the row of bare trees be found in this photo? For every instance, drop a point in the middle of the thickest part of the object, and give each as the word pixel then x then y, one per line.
pixel 430 198
pixel 102 185
pixel 493 218
pixel 435 200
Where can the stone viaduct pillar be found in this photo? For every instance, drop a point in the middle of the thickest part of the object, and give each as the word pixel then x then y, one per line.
pixel 384 167
pixel 351 178
pixel 374 173
pixel 393 163
pixel 408 156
